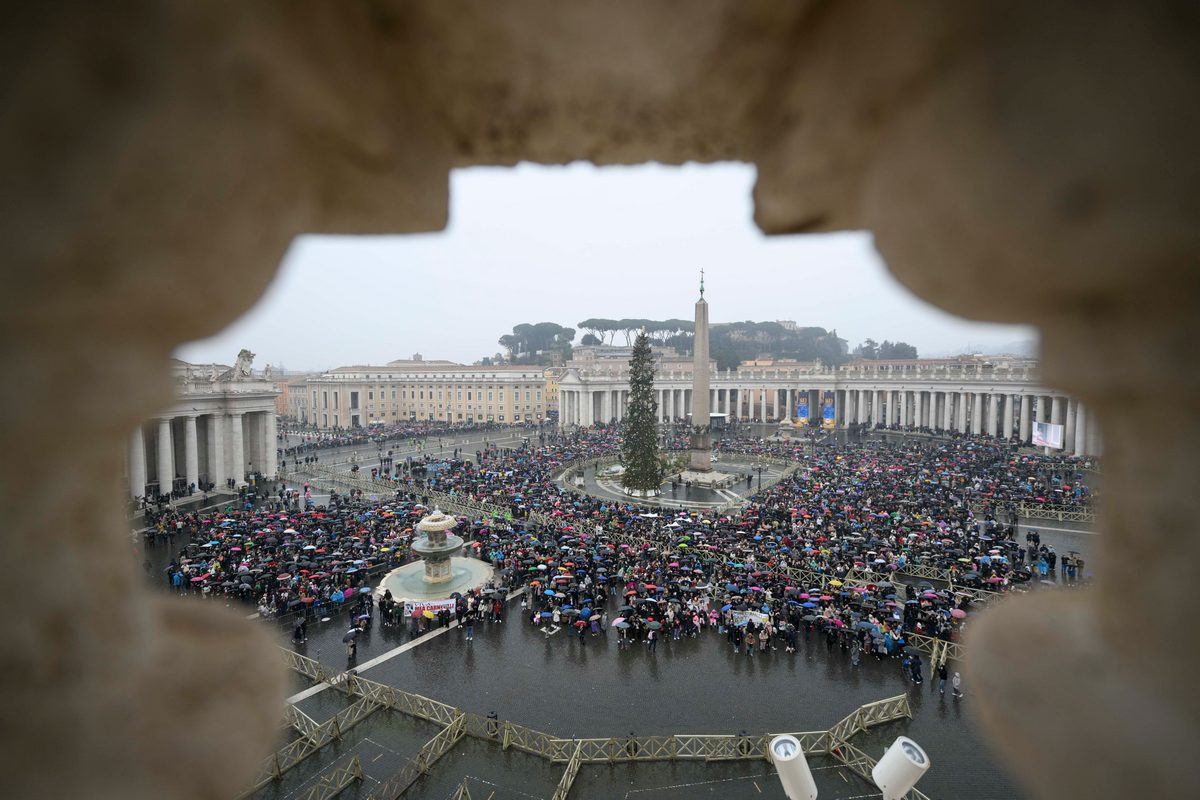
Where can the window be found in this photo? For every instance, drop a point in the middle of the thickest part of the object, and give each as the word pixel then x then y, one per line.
pixel 526 396
pixel 370 395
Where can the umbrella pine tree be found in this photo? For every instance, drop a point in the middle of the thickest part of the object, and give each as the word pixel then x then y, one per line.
pixel 639 448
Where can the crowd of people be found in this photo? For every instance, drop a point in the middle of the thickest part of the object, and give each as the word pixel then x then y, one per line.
pixel 813 556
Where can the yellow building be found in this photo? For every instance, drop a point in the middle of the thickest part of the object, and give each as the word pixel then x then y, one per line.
pixel 350 397
pixel 551 377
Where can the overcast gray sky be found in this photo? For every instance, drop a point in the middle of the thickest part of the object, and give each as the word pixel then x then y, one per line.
pixel 561 244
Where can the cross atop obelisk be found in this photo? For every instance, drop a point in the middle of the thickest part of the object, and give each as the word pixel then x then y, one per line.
pixel 701 460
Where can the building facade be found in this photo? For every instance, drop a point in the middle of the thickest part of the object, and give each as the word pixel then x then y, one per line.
pixel 223 425
pixel 994 396
pixel 351 397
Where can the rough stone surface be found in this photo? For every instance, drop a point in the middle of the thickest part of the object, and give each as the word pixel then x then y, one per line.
pixel 1020 161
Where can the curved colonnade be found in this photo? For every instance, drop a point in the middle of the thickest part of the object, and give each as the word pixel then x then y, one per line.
pixel 979 399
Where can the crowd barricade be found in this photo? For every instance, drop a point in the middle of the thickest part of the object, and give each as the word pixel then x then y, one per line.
pixel 573 753
pixel 335 782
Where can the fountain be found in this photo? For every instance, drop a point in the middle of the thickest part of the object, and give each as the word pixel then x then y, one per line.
pixel 441 571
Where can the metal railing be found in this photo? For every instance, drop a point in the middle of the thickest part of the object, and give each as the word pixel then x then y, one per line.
pixel 332 784
pixel 556 750
pixel 1046 511
pixel 420 764
pixel 602 750
pixel 568 777
pixel 312 740
pixel 938 650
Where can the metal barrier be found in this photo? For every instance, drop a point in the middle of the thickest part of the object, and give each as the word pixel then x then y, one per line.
pixel 295 718
pixel 429 753
pixel 568 778
pixel 938 650
pixel 572 752
pixel 1046 511
pixel 291 754
pixel 332 784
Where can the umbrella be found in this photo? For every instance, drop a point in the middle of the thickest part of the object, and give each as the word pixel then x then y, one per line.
pixel 428 614
pixel 416 614
pixel 351 635
pixel 621 625
pixel 653 625
pixel 957 613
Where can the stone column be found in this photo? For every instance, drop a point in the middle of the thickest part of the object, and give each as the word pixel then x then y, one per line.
pixel 1006 416
pixel 1095 442
pixel 1056 410
pixel 862 406
pixel 166 456
pixel 947 411
pixel 1041 408
pixel 1069 425
pixel 762 403
pixel 215 431
pixel 1026 432
pixel 902 397
pixel 918 410
pixel 237 449
pixel 991 415
pixel 137 463
pixel 960 400
pixel 1081 430
pixel 977 414
pixel 191 456
pixel 272 466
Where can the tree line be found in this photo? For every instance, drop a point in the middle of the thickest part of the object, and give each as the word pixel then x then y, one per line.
pixel 730 343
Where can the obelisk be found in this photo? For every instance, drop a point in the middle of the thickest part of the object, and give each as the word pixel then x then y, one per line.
pixel 701 434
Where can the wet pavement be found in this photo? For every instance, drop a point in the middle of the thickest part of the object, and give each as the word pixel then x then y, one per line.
pixel 555 684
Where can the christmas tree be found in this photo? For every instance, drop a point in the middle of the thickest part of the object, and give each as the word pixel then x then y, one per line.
pixel 639 448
